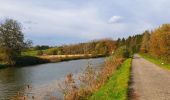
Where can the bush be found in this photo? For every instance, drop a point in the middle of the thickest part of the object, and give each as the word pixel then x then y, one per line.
pixel 122 52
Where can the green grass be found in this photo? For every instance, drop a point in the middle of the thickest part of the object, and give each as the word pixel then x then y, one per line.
pixel 30 53
pixel 33 52
pixel 117 86
pixel 156 61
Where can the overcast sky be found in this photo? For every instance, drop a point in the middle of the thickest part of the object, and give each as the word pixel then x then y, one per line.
pixel 56 22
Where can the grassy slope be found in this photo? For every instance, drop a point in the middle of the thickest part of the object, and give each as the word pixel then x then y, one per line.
pixel 117 86
pixel 156 61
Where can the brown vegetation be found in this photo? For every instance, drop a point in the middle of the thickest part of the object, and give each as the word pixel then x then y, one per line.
pixel 157 42
pixel 160 42
pixel 90 81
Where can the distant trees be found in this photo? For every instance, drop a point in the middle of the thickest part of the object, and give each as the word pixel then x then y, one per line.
pixel 11 40
pixel 41 47
pixel 132 43
pixel 103 47
pixel 156 42
pixel 145 42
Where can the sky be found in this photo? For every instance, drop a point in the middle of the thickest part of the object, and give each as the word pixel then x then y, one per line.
pixel 57 22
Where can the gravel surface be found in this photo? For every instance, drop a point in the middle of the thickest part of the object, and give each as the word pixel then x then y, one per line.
pixel 149 81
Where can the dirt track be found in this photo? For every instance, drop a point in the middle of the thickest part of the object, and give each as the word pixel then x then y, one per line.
pixel 149 81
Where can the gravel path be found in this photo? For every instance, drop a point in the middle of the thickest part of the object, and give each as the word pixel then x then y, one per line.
pixel 149 81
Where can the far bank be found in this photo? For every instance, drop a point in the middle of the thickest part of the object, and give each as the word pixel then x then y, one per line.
pixel 35 60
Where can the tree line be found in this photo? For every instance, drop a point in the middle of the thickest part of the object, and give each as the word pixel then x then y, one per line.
pixel 102 47
pixel 155 42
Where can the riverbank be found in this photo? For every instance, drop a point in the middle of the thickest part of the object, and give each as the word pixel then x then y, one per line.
pixel 116 88
pixel 60 58
pixel 25 61
pixel 35 60
pixel 156 61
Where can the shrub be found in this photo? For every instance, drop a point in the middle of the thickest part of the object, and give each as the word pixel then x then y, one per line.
pixel 122 52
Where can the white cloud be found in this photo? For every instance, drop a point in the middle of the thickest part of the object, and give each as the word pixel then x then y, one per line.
pixel 71 19
pixel 115 19
pixel 81 23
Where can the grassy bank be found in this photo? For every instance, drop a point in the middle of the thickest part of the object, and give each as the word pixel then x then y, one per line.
pixel 156 61
pixel 117 86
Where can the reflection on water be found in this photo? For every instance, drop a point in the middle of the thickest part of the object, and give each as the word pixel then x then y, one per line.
pixel 42 78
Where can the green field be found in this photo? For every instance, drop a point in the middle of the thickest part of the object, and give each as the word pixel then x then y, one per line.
pixel 117 86
pixel 32 52
pixel 156 61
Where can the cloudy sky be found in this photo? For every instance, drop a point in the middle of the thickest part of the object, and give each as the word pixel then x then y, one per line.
pixel 56 22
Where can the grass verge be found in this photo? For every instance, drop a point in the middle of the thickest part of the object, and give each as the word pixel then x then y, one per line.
pixel 117 86
pixel 156 61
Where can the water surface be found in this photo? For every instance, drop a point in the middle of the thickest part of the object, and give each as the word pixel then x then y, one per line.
pixel 41 78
